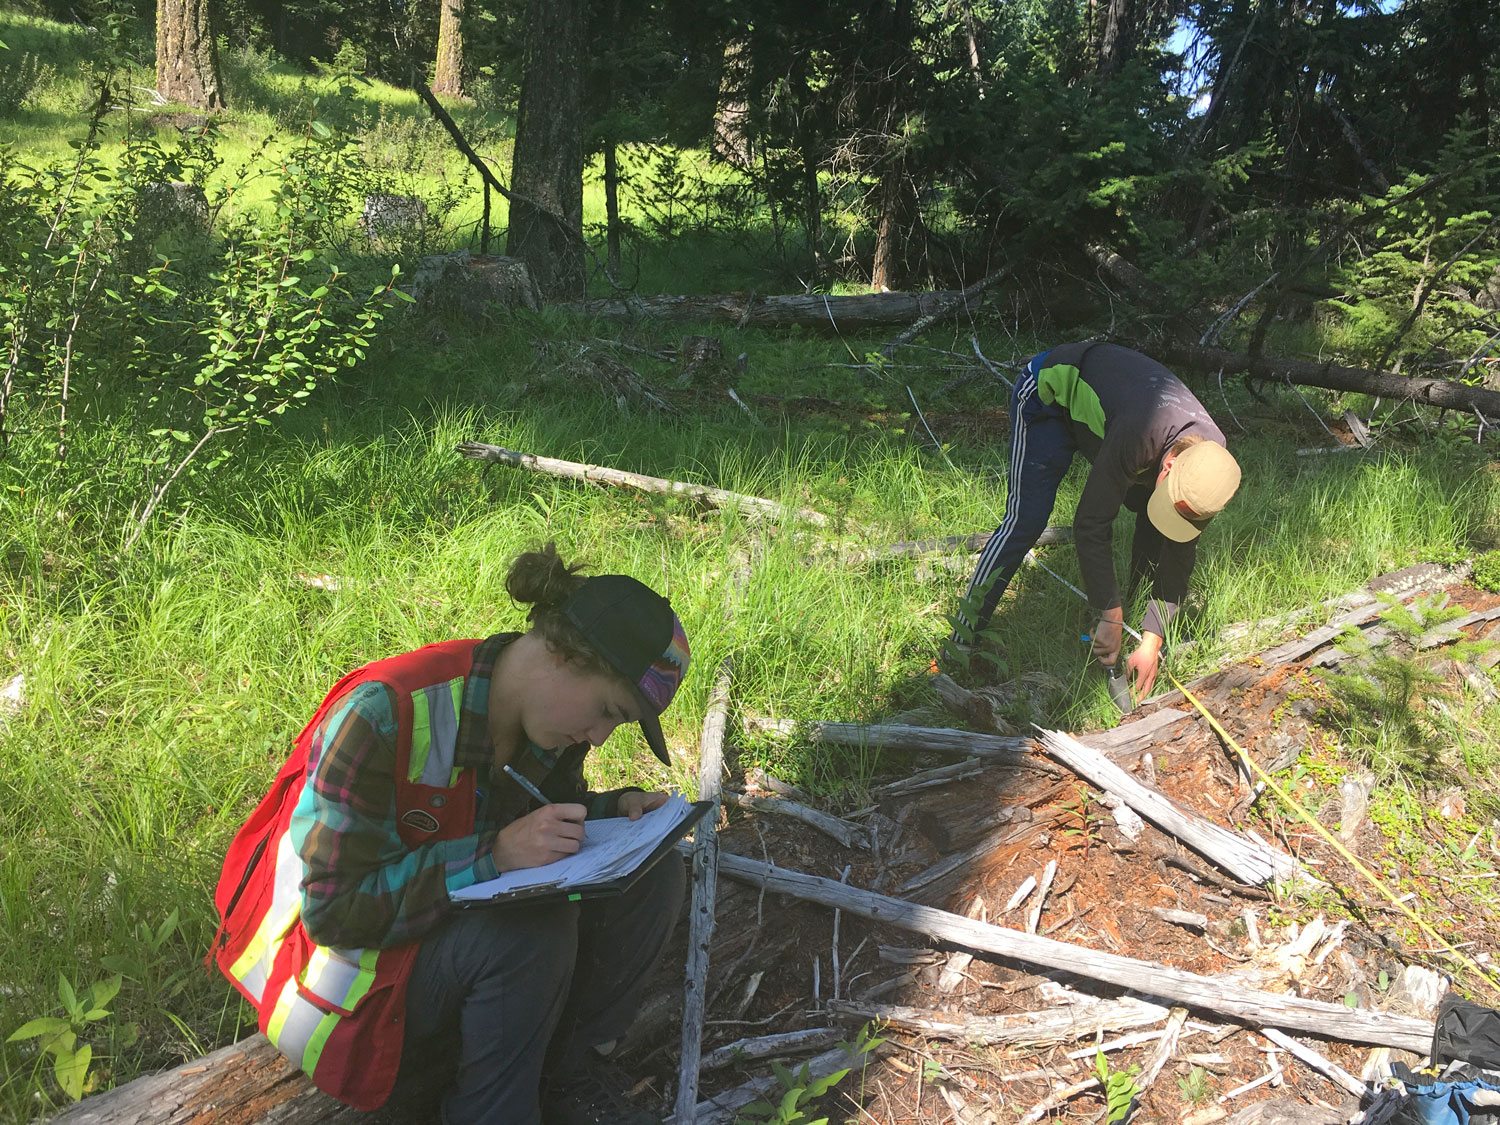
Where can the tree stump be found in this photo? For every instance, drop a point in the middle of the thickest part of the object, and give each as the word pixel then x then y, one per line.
pixel 470 285
pixel 391 220
pixel 699 354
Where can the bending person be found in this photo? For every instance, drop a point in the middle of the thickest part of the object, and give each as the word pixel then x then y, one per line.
pixel 1154 450
pixel 338 921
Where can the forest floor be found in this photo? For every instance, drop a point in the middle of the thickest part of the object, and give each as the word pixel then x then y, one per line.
pixel 777 962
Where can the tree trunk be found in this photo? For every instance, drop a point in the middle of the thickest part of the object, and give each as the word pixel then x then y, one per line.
pixel 1431 392
pixel 731 142
pixel 1115 43
pixel 546 217
pixel 812 200
pixel 885 274
pixel 612 208
pixel 187 61
pixel 447 77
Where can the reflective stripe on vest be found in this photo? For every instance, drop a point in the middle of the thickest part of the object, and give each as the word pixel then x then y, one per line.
pixel 434 736
pixel 339 978
pixel 254 965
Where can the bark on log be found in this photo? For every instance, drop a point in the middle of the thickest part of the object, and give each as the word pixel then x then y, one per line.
pixel 848 313
pixel 1063 1024
pixel 942 740
pixel 1432 392
pixel 1246 1005
pixel 599 474
pixel 1246 860
pixel 964 298
pixel 771 1046
pixel 246 1083
pixel 850 835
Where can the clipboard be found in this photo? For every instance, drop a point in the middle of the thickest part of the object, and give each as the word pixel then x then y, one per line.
pixel 607 888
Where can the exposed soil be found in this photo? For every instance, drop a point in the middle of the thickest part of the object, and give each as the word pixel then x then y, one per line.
pixel 769 950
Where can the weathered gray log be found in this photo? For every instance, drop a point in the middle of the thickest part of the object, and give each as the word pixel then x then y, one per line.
pixel 963 300
pixel 927 779
pixel 246 1083
pixel 850 835
pixel 1000 837
pixel 1063 1024
pixel 845 313
pixel 1246 1005
pixel 1431 392
pixel 892 736
pixel 1137 734
pixel 600 474
pixel 705 888
pixel 1329 1069
pixel 1243 858
pixel 771 1046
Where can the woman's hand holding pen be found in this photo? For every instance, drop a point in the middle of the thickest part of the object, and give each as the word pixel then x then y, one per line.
pixel 542 836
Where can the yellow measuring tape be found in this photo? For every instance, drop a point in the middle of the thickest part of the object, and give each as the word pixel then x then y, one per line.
pixel 1312 822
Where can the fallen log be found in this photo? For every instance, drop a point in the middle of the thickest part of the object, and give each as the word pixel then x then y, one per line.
pixel 826 313
pixel 1431 392
pixel 771 1046
pixel 1011 751
pixel 1246 860
pixel 246 1083
pixel 962 300
pixel 1065 1023
pixel 1241 1003
pixel 600 474
pixel 850 835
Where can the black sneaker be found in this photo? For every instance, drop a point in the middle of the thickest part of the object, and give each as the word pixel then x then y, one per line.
pixel 589 1095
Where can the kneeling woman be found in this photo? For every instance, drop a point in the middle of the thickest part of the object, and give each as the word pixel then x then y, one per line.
pixel 335 895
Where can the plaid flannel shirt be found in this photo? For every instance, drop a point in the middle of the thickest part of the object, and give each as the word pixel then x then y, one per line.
pixel 362 885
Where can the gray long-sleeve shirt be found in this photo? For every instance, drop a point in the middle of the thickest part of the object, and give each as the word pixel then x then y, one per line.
pixel 1126 412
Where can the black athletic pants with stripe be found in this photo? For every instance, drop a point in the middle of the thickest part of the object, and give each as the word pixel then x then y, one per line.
pixel 1041 449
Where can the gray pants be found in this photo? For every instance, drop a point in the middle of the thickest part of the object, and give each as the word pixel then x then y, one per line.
pixel 511 993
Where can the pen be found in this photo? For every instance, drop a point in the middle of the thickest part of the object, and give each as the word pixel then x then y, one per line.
pixel 526 785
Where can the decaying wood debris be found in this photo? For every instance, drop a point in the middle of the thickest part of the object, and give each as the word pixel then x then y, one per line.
pixel 1003 848
pixel 599 474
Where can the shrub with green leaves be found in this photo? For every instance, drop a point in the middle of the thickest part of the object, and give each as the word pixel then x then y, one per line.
pixel 179 357
pixel 21 77
pixel 1487 572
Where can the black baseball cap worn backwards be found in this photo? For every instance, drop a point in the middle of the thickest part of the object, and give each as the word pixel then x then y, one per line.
pixel 634 629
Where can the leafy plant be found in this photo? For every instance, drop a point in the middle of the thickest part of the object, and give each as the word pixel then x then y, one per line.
pixel 974 644
pixel 1195 1086
pixel 800 1090
pixel 60 1035
pixel 1487 571
pixel 1120 1090
pixel 1082 809
pixel 21 76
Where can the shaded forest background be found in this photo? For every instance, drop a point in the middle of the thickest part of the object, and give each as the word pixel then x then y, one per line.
pixel 227 438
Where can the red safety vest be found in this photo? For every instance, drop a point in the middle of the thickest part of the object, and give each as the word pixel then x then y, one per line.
pixel 339 1013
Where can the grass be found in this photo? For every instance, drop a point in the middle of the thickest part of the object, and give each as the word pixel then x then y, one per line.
pixel 161 691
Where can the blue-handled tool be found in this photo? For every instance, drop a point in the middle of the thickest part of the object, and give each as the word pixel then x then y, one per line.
pixel 1118 685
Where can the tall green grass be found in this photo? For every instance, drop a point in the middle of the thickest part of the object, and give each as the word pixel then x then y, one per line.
pixel 162 689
